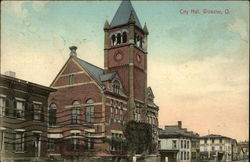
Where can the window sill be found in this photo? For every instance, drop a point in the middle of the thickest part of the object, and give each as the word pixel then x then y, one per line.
pixel 19 152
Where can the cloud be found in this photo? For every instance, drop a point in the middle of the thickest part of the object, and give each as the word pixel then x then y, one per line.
pixel 18 10
pixel 39 5
pixel 240 26
pixel 59 42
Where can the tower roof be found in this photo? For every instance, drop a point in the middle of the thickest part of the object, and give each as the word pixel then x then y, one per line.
pixel 123 13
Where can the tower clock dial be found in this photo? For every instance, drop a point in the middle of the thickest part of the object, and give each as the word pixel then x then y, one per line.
pixel 118 56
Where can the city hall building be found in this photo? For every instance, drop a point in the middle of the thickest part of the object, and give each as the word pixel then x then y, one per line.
pixel 92 105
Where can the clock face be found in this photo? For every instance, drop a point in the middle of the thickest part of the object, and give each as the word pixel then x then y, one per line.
pixel 138 58
pixel 118 56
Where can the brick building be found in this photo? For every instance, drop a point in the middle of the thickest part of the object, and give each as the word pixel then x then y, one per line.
pixel 91 105
pixel 23 126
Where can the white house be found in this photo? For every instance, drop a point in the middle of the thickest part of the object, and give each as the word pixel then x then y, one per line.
pixel 216 147
pixel 176 143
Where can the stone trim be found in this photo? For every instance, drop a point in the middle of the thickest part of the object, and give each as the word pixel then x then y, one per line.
pixel 72 85
pixel 81 105
pixel 116 131
pixel 79 72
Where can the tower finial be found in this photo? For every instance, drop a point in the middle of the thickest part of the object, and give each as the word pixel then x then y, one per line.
pixel 73 51
pixel 145 29
pixel 131 18
pixel 106 25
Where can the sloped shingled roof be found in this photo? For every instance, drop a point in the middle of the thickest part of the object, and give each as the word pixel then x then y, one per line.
pixel 96 72
pixel 123 13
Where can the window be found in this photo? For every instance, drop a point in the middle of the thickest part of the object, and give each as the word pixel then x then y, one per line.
pixel 113 39
pixel 2 106
pixel 187 144
pixel 220 148
pixel 212 140
pixel 174 145
pixel 19 141
pixel 112 112
pixel 185 156
pixel 220 140
pixel 138 113
pixel 37 108
pixel 124 37
pixel 181 155
pixel 212 148
pixel 19 109
pixel 71 79
pixel 193 155
pixel 1 140
pixel 52 115
pixel 205 141
pixel 116 86
pixel 116 114
pixel 118 38
pixel 75 141
pixel 188 155
pixel 116 146
pixel 51 144
pixel 141 42
pixel 90 142
pixel 181 143
pixel 121 114
pixel 75 114
pixel 90 111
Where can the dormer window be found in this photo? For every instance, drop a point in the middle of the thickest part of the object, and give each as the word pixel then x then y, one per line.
pixel 116 86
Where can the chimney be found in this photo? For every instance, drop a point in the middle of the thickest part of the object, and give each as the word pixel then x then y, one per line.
pixel 73 51
pixel 179 124
pixel 10 73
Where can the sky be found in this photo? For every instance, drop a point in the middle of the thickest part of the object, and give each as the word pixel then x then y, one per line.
pixel 197 63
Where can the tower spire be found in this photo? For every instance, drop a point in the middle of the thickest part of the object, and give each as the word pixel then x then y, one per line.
pixel 123 15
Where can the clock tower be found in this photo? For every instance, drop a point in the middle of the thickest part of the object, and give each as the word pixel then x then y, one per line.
pixel 125 52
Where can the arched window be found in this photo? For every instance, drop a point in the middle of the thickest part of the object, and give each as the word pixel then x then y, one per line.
pixel 135 36
pixel 141 42
pixel 113 39
pixel 75 113
pixel 52 114
pixel 138 40
pixel 119 38
pixel 90 111
pixel 124 37
pixel 116 87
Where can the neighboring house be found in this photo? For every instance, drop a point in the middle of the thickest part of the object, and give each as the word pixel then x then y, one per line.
pixel 243 150
pixel 91 106
pixel 178 144
pixel 23 126
pixel 217 147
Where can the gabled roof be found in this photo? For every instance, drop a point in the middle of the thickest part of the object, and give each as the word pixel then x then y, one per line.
pixel 98 74
pixel 123 13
